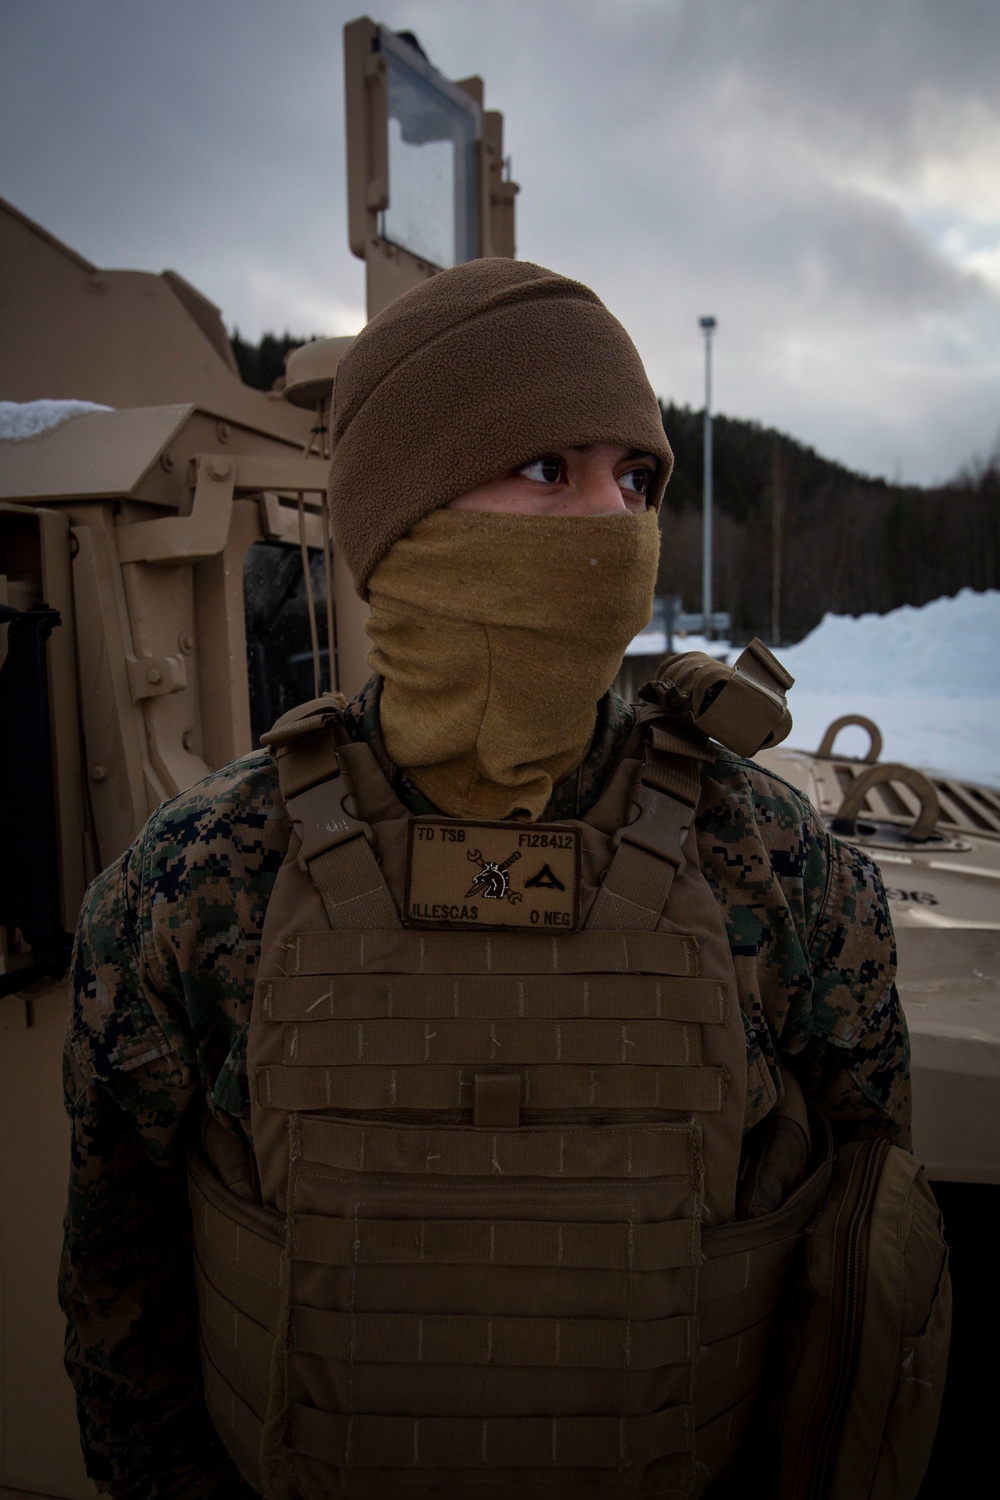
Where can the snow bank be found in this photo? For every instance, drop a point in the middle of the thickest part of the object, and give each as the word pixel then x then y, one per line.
pixel 26 419
pixel 929 677
pixel 951 736
pixel 654 643
pixel 947 649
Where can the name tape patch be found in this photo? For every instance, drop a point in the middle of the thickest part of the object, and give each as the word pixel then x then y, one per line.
pixel 492 874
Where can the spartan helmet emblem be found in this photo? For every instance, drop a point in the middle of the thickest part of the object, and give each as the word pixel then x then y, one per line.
pixel 493 883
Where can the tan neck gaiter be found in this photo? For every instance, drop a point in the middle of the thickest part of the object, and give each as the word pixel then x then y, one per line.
pixel 496 636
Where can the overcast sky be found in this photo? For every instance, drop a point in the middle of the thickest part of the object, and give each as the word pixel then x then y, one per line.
pixel 821 175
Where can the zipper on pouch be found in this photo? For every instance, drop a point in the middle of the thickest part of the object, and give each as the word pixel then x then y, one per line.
pixel 855 1260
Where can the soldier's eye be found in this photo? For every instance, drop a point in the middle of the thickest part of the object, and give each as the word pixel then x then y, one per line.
pixel 637 480
pixel 547 470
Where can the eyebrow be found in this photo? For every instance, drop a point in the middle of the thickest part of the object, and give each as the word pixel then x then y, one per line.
pixel 632 452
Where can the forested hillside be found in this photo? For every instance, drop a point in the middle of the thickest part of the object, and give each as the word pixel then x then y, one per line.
pixel 261 364
pixel 796 536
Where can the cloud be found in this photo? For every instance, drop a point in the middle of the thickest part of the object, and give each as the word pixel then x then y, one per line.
pixel 824 178
pixel 290 300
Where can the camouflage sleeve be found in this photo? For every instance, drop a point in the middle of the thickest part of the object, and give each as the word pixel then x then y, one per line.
pixel 853 1055
pixel 812 941
pixel 126 1283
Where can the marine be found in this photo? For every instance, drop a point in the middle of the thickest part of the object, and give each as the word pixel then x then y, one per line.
pixel 498 463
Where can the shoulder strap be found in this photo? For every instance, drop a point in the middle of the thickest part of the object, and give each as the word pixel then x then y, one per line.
pixel 649 851
pixel 335 846
pixel 691 697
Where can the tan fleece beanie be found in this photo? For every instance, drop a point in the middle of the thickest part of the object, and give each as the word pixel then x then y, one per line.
pixel 496 636
pixel 467 377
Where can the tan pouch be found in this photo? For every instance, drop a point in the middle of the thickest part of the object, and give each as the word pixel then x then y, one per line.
pixel 865 1344
pixel 742 706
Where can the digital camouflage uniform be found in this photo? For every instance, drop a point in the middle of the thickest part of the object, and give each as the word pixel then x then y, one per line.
pixel 164 973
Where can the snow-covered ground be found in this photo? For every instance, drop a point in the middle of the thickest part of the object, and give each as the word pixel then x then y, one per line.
pixel 653 642
pixel 928 677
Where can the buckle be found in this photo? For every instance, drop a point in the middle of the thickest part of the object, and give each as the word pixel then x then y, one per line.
pixel 661 827
pixel 321 821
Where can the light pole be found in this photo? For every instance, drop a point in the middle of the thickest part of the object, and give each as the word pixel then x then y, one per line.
pixel 707 326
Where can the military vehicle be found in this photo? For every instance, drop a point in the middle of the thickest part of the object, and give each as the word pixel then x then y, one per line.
pixel 154 596
pixel 936 841
pixel 168 587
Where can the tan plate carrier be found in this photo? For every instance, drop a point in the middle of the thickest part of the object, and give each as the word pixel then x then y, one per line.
pixel 496 1249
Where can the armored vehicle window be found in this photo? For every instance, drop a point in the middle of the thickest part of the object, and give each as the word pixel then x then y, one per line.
pixel 279 649
pixel 433 129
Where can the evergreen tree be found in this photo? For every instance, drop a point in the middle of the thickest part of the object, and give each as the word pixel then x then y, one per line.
pixel 261 364
pixel 797 535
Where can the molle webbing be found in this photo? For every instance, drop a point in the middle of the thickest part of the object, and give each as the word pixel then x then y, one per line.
pixel 583 1040
pixel 629 1152
pixel 624 1039
pixel 460 953
pixel 447 1357
pixel 503 1163
pixel 487 1242
pixel 500 996
pixel 423 1086
pixel 239 1247
pixel 475 1443
pixel 238 1274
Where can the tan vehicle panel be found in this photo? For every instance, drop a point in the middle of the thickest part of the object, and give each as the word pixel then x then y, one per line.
pixel 944 894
